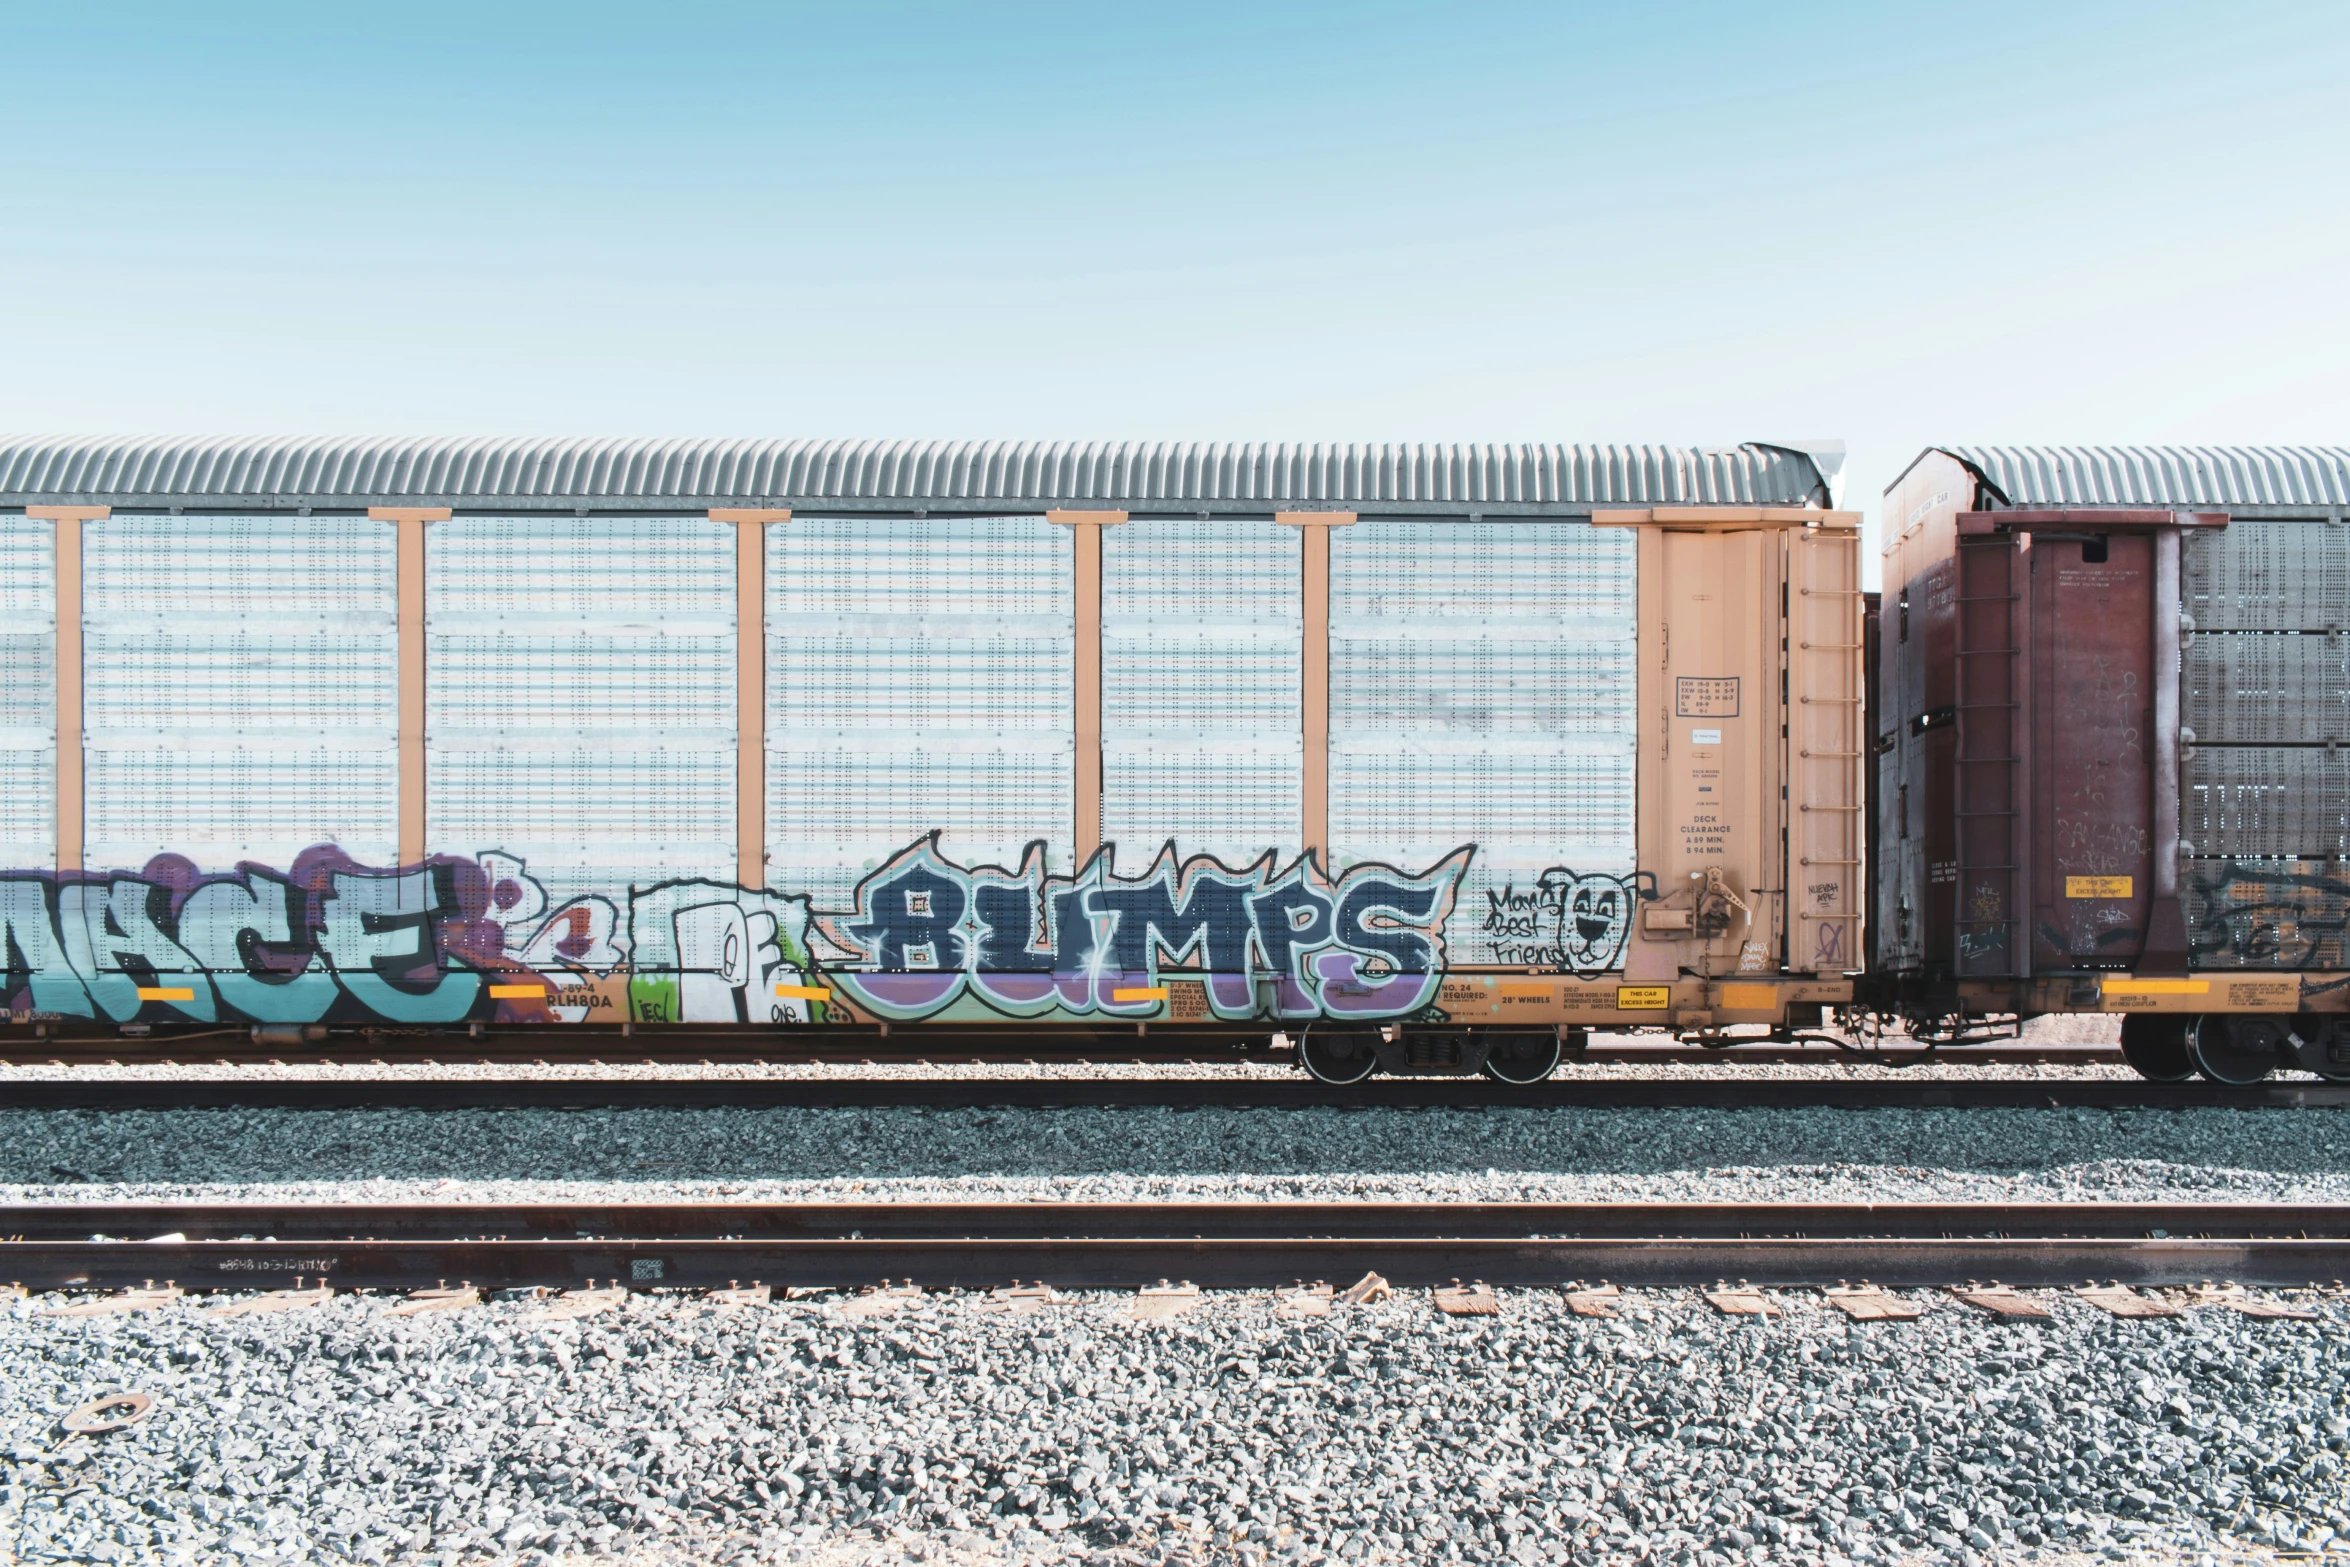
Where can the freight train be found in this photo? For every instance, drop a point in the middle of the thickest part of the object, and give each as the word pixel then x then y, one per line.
pixel 1430 758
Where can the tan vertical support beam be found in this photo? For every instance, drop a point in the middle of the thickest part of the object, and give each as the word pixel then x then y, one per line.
pixel 1086 529
pixel 70 796
pixel 408 595
pixel 750 688
pixel 1314 673
pixel 1828 743
pixel 1653 956
pixel 1086 818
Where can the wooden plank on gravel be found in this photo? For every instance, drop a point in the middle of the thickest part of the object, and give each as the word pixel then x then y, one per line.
pixel 1475 1300
pixel 1305 1300
pixel 1744 1301
pixel 128 1301
pixel 1601 1300
pixel 2236 1298
pixel 1167 1300
pixel 440 1298
pixel 1018 1299
pixel 1870 1304
pixel 2122 1301
pixel 2001 1301
pixel 295 1299
pixel 753 1294
pixel 571 1305
pixel 882 1302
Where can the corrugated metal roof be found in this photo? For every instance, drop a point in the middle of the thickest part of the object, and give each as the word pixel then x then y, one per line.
pixel 950 474
pixel 2316 476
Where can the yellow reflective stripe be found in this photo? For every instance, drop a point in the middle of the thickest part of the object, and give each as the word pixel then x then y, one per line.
pixel 2160 987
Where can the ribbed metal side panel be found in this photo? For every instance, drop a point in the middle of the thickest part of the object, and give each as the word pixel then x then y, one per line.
pixel 919 677
pixel 580 697
pixel 2268 688
pixel 2267 676
pixel 2219 476
pixel 1481 692
pixel 238 689
pixel 1202 722
pixel 2258 575
pixel 1441 474
pixel 28 693
pixel 2267 802
pixel 2265 914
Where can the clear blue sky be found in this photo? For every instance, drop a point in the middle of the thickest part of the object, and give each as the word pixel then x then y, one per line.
pixel 1675 222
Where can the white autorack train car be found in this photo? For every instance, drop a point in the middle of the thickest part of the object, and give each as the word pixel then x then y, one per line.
pixel 1422 754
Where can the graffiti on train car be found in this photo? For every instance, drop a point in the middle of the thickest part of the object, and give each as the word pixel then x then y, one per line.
pixel 1292 942
pixel 329 940
pixel 1566 920
pixel 2279 914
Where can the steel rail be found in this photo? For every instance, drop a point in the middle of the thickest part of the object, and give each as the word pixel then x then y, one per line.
pixel 1228 1093
pixel 570 1220
pixel 1112 1245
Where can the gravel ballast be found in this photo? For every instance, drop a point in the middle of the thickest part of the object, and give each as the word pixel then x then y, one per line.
pixel 676 1432
pixel 1142 1153
pixel 1384 1433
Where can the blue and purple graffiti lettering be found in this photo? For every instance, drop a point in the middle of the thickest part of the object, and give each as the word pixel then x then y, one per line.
pixel 1263 941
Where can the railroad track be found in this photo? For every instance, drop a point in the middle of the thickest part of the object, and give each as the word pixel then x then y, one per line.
pixel 402 1246
pixel 559 1047
pixel 1240 1093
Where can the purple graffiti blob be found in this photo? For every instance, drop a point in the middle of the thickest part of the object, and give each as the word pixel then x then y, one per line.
pixel 575 946
pixel 314 871
pixel 1231 992
pixel 175 871
pixel 468 932
pixel 913 992
pixel 1349 992
pixel 1021 989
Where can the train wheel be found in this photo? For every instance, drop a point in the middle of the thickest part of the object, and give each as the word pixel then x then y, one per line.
pixel 2331 1059
pixel 1521 1055
pixel 2321 1045
pixel 2236 1051
pixel 1338 1055
pixel 2156 1044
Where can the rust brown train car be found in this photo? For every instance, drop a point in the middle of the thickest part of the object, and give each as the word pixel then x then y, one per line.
pixel 2113 691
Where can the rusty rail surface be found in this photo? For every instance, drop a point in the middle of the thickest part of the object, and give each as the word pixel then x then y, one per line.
pixel 1227 1093
pixel 213 1247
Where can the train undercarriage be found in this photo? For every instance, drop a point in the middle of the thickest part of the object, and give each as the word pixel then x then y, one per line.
pixel 2225 1048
